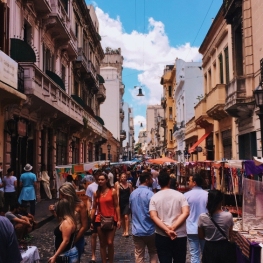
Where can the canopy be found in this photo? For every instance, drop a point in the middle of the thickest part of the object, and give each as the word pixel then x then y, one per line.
pixel 161 160
pixel 192 149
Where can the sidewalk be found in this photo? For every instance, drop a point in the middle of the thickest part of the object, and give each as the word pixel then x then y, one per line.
pixel 43 215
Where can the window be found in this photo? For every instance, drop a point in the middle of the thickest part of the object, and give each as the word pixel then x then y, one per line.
pixel 170 91
pixel 27 32
pixel 76 88
pixel 209 80
pixel 47 60
pixel 77 30
pixel 238 49
pixel 227 64
pixel 170 113
pixel 65 5
pixel 171 134
pixel 63 73
pixel 221 69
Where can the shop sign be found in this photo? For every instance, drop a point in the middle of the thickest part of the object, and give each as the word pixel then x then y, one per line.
pixel 9 70
pixel 21 128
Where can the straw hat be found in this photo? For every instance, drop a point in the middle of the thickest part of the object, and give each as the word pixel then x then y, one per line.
pixel 258 160
pixel 28 167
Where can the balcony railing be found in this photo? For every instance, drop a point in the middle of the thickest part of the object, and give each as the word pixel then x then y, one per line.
pixel 39 85
pixel 215 102
pixel 43 6
pixel 92 69
pixel 123 135
pixel 200 109
pixel 62 27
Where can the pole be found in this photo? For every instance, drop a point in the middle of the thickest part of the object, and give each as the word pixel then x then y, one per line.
pixel 260 115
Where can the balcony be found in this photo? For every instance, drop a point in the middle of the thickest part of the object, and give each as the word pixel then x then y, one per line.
pixel 58 23
pixel 231 7
pixel 215 102
pixel 122 135
pixel 47 96
pixel 101 95
pixel 201 117
pixel 122 115
pixel 41 6
pixel 163 123
pixel 163 102
pixel 122 88
pixel 237 103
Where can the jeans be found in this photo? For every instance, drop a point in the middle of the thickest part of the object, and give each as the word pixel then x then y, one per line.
pixel 80 246
pixel 196 247
pixel 171 250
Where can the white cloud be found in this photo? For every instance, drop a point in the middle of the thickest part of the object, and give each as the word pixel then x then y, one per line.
pixel 148 52
pixel 137 120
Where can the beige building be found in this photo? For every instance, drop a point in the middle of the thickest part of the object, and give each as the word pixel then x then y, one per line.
pixel 217 137
pixel 50 113
pixel 168 81
pixel 154 131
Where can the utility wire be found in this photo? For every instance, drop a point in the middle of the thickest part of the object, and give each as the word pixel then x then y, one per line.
pixel 201 26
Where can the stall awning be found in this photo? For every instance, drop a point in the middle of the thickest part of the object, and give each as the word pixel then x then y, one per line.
pixel 192 149
pixel 21 51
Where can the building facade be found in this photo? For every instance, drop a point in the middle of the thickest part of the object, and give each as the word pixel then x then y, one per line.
pixel 112 108
pixel 188 90
pixel 217 138
pixel 55 117
pixel 168 103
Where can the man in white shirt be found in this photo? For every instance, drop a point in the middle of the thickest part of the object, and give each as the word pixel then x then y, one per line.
pixel 197 200
pixel 91 189
pixel 110 176
pixel 169 210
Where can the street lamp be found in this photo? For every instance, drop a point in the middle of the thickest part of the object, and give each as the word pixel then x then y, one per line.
pixel 258 95
pixel 109 147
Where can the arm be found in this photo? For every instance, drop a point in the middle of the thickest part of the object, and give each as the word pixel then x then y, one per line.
pixel 230 233
pixel 67 229
pixel 94 207
pixel 118 190
pixel 89 202
pixel 83 221
pixel 181 219
pixel 131 188
pixel 15 183
pixel 35 186
pixel 160 224
pixel 117 207
pixel 201 233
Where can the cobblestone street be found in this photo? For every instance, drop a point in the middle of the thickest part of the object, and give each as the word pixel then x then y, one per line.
pixel 43 238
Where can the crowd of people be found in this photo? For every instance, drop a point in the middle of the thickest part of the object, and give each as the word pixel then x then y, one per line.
pixel 162 218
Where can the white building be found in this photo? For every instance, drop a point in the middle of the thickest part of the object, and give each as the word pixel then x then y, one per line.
pixel 188 91
pixel 111 110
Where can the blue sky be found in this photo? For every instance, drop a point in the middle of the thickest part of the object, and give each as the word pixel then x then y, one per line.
pixel 152 34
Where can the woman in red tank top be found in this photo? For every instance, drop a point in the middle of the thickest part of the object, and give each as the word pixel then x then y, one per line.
pixel 106 201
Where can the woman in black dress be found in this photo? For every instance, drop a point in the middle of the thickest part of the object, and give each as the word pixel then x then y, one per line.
pixel 124 189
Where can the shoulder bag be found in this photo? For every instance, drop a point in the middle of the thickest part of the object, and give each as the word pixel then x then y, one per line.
pixel 231 246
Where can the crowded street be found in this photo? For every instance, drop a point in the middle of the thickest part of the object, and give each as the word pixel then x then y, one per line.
pixel 43 238
pixel 131 131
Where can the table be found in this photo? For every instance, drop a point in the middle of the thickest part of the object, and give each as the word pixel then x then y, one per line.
pixel 247 251
pixel 31 255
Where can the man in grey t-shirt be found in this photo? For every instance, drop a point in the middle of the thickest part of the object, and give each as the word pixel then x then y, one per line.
pixel 169 210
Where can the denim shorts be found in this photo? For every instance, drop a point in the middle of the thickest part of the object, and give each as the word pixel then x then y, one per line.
pixel 72 254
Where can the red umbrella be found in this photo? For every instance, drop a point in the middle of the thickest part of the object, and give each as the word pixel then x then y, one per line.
pixel 161 160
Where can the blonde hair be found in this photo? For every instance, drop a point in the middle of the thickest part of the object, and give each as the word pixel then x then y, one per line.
pixel 68 190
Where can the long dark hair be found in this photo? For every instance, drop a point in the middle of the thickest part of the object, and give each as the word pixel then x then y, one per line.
pixel 98 193
pixel 215 197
